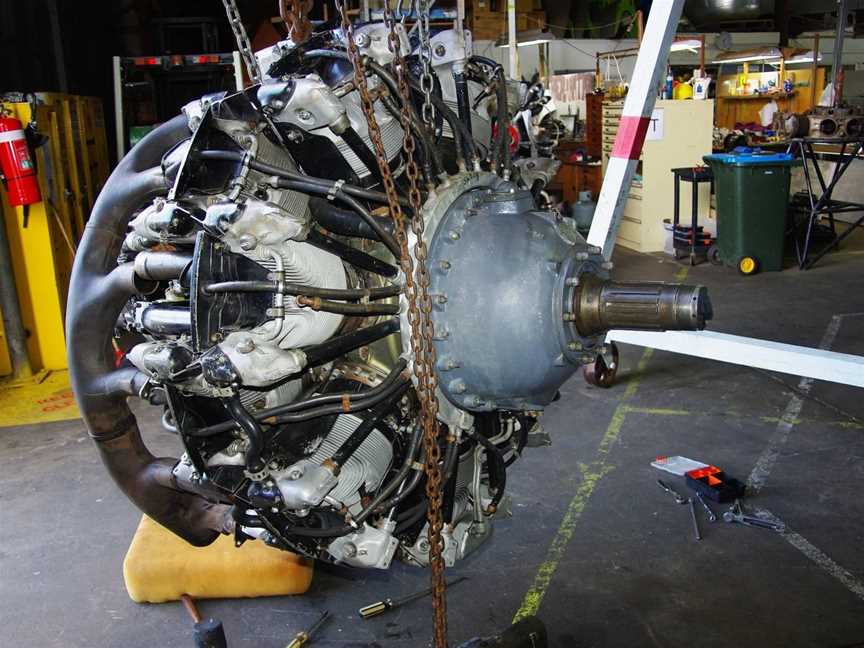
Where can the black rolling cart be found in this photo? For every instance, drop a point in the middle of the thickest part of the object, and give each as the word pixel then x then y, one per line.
pixel 691 239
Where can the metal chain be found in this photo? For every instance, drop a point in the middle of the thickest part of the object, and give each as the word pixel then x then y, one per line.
pixel 295 15
pixel 426 369
pixel 419 317
pixel 427 82
pixel 402 12
pixel 242 39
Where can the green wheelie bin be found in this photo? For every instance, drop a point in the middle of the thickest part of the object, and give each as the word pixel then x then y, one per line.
pixel 752 190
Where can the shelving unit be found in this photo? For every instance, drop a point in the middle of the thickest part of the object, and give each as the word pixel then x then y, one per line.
pixel 609 129
pixel 679 137
pixel 735 109
pixel 151 89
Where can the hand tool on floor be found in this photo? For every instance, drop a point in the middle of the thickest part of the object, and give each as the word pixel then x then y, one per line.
pixel 736 514
pixel 708 511
pixel 693 517
pixel 207 633
pixel 380 607
pixel 302 638
pixel 679 498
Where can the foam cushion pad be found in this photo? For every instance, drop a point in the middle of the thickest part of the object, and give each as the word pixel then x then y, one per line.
pixel 161 567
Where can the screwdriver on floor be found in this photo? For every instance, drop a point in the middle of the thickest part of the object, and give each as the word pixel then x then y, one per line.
pixel 302 638
pixel 380 607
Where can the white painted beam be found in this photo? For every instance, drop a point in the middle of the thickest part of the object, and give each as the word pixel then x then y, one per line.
pixel 513 45
pixel 751 352
pixel 648 73
pixel 238 71
pixel 119 127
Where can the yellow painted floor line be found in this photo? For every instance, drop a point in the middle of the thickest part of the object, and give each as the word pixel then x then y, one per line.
pixel 662 411
pixel 591 475
pixel 682 273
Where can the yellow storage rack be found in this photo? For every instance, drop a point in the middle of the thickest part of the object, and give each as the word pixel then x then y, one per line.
pixel 73 165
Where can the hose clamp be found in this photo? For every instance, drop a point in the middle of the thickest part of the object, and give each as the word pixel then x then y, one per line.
pixel 335 190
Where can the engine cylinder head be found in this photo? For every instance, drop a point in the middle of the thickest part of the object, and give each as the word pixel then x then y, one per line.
pixel 855 127
pixel 828 126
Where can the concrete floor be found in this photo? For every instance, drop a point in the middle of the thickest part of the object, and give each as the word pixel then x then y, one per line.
pixel 594 546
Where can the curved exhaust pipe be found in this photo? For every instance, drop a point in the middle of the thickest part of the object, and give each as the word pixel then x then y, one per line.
pixel 97 292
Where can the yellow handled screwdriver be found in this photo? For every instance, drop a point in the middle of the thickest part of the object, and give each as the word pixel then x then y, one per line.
pixel 302 638
pixel 380 607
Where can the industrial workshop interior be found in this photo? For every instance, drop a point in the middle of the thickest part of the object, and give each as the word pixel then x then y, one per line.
pixel 431 323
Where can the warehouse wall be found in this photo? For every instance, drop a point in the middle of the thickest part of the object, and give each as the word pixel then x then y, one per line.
pixel 578 55
pixel 570 54
pixel 574 54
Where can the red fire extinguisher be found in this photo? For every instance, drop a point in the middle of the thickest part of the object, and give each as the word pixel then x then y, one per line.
pixel 16 164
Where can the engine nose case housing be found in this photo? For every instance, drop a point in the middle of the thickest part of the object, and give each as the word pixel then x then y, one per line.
pixel 520 299
pixel 499 271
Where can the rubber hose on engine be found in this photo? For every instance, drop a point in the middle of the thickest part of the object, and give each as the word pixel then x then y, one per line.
pixel 431 163
pixel 497 470
pixel 463 103
pixel 308 410
pixel 343 221
pixel 343 294
pixel 351 255
pixel 307 187
pixel 269 169
pixel 254 433
pixel 359 435
pixel 462 138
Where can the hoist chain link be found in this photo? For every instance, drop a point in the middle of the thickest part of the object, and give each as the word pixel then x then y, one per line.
pixel 295 15
pixel 243 45
pixel 427 82
pixel 417 294
pixel 432 430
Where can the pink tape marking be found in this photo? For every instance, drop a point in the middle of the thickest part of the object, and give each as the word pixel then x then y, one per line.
pixel 631 137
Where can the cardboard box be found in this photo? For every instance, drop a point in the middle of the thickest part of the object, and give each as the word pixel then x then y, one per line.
pixel 487 7
pixel 488 27
pixel 536 20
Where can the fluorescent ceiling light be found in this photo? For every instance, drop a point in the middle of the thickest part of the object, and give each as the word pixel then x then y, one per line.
pixel 529 37
pixel 686 44
pixel 769 54
pixel 538 41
